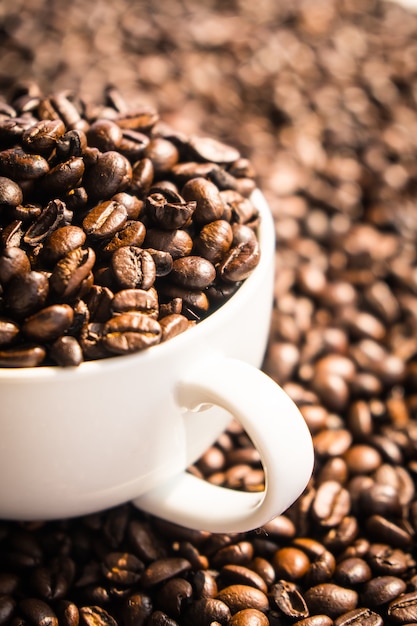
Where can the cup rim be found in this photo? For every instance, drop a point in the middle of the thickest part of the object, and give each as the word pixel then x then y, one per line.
pixel 266 236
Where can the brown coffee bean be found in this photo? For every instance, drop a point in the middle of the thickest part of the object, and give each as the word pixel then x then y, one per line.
pixel 381 590
pixel 64 176
pixel 362 459
pixel 192 272
pixel 315 620
pixel 163 154
pixel 13 263
pixel 238 597
pixel 133 267
pixel 19 165
pixel 169 215
pixel 289 600
pixel 38 612
pixel 66 351
pixel 7 607
pixel 27 293
pixel 404 609
pixel 214 240
pixel 110 174
pixel 352 571
pixel 331 503
pixel 162 570
pixel 105 219
pixel 122 568
pixel 173 325
pixel 249 617
pixel 174 595
pixel 10 193
pixel 96 616
pixel 52 216
pixel 384 530
pixel 130 332
pixel 140 300
pixel 233 574
pixel 26 355
pixel 240 261
pixel 48 323
pixel 61 241
pixel 291 563
pixel 386 561
pixel 71 270
pixel 206 611
pixel 331 599
pixel 364 617
pixel 210 206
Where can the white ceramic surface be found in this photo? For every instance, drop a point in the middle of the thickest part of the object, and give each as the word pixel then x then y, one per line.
pixel 79 440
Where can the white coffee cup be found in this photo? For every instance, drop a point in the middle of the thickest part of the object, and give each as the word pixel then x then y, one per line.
pixel 79 440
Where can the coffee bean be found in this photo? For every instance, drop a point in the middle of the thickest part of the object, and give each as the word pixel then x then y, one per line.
pixel 110 174
pixel 238 597
pixel 404 609
pixel 289 600
pixel 137 609
pixel 105 219
pixel 38 612
pixel 48 323
pixel 331 503
pixel 291 563
pixel 17 164
pixel 359 616
pixel 27 293
pixel 205 611
pixel 122 568
pixel 330 598
pixel 133 267
pixel 381 590
pixel 130 332
pixel 192 272
pixel 163 569
pixel 249 617
pixel 174 595
pixel 96 616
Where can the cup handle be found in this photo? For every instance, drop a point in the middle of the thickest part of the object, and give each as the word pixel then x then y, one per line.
pixel 276 428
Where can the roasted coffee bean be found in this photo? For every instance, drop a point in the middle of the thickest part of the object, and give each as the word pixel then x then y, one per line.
pixel 71 270
pixel 140 300
pixel 105 135
pixel 24 355
pixel 249 617
pixel 233 574
pixel 210 206
pixel 19 165
pixel 64 176
pixel 27 293
pixel 315 620
pixel 10 193
pixel 61 241
pixel 387 561
pixel 66 351
pixel 110 174
pixel 133 144
pixel 352 571
pixel 331 599
pixel 130 332
pixel 177 243
pixel 42 136
pixel 403 610
pixel 7 607
pixel 192 272
pixel 142 177
pixel 133 267
pixel 381 590
pixel 291 563
pixel 38 612
pixel 214 240
pixel 331 503
pixel 163 154
pixel 289 600
pixel 48 323
pixel 240 261
pixel 169 215
pixel 137 609
pixel 163 569
pixel 122 568
pixel 173 325
pixel 238 597
pixel 96 616
pixel 205 611
pixel 174 595
pixel 131 234
pixel 385 530
pixel 105 219
pixel 52 217
pixel 364 617
pixel 8 331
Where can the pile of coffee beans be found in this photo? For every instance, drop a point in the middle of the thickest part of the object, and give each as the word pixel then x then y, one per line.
pixel 116 233
pixel 323 98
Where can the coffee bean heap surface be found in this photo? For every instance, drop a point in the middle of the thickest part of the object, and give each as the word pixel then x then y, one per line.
pixel 323 97
pixel 116 232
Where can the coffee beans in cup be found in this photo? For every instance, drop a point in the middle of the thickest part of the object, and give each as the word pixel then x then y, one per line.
pixel 116 232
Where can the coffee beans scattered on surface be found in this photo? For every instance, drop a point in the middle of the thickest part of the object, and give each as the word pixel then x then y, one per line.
pixel 324 96
pixel 116 232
